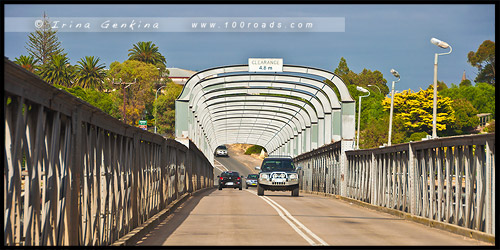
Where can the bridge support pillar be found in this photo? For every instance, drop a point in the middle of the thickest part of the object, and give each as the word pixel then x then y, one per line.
pixel 346 145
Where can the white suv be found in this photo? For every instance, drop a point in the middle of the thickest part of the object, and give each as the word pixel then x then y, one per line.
pixel 221 151
pixel 278 173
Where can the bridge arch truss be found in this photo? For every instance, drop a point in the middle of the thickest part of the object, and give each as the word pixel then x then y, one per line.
pixel 289 112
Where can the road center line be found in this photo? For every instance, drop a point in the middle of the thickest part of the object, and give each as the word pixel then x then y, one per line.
pixel 284 214
pixel 298 223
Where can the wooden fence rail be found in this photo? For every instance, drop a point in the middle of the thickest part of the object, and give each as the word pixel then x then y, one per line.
pixel 74 175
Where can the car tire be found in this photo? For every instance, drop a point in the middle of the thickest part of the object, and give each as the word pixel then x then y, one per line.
pixel 295 191
pixel 246 186
pixel 260 190
pixel 241 187
pixel 220 187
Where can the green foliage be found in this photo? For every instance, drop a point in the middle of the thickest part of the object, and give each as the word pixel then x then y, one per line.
pixel 89 73
pixel 255 149
pixel 29 63
pixel 103 101
pixel 140 93
pixel 165 106
pixel 58 71
pixel 490 128
pixel 147 52
pixel 481 96
pixel 418 136
pixel 465 83
pixel 43 44
pixel 484 60
pixel 466 118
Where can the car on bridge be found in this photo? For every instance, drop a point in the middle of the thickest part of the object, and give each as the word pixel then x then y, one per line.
pixel 230 179
pixel 278 173
pixel 251 180
pixel 221 151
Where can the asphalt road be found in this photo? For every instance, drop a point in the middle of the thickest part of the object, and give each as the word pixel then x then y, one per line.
pixel 232 217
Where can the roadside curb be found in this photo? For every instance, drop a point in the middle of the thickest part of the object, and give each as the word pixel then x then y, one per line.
pixel 138 232
pixel 473 234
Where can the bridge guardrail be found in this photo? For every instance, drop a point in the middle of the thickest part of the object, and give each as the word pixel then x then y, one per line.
pixel 74 175
pixel 450 180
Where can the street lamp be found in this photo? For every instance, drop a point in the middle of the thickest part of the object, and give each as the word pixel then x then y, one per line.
pixel 156 97
pixel 443 45
pixel 395 74
pixel 369 85
pixel 359 110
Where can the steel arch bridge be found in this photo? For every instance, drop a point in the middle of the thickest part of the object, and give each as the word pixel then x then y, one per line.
pixel 289 112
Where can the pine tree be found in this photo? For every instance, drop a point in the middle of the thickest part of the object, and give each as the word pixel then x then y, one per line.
pixel 43 42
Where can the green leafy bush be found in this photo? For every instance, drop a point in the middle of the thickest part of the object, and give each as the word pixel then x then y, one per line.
pixel 255 149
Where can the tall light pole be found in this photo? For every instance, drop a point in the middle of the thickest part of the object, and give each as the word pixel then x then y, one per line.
pixel 396 74
pixel 156 97
pixel 443 45
pixel 359 110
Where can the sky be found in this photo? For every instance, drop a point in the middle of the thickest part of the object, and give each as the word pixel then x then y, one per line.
pixel 372 36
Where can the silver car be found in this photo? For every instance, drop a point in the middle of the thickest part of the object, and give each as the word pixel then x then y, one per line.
pixel 252 180
pixel 221 151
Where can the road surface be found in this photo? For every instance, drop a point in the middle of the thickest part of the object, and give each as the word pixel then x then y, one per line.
pixel 232 217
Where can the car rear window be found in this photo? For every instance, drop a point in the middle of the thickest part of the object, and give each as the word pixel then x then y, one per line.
pixel 229 174
pixel 253 176
pixel 221 147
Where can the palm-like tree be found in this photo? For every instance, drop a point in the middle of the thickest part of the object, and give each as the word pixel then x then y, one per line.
pixel 58 71
pixel 89 73
pixel 146 52
pixel 28 63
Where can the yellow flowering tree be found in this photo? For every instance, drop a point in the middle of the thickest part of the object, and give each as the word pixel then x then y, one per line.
pixel 415 110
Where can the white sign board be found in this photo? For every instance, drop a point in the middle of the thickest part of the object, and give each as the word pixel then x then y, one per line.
pixel 265 64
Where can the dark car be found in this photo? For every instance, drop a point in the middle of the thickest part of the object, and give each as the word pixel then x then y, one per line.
pixel 252 180
pixel 230 179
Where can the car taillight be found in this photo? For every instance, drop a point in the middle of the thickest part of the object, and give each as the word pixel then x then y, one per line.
pixel 221 178
pixel 238 178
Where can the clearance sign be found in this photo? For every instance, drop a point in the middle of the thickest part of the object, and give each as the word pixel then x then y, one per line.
pixel 265 64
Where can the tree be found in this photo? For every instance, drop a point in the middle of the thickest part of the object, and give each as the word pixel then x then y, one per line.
pixel 29 63
pixel 58 71
pixel 89 73
pixel 139 95
pixel 344 72
pixel 146 52
pixel 103 101
pixel 466 119
pixel 43 43
pixel 368 77
pixel 416 109
pixel 481 96
pixel 484 60
pixel 165 106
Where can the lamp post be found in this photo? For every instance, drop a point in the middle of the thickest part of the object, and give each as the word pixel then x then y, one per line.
pixel 359 110
pixel 156 97
pixel 443 45
pixel 396 74
pixel 369 85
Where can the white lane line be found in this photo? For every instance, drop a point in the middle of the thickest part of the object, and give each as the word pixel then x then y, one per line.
pixel 286 214
pixel 298 223
pixel 217 163
pixel 309 240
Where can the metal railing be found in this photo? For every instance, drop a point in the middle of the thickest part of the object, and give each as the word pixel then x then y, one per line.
pixel 450 180
pixel 74 175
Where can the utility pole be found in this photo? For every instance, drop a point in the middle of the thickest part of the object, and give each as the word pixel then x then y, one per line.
pixel 124 95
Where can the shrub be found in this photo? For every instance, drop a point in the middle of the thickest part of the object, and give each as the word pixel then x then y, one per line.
pixel 255 149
